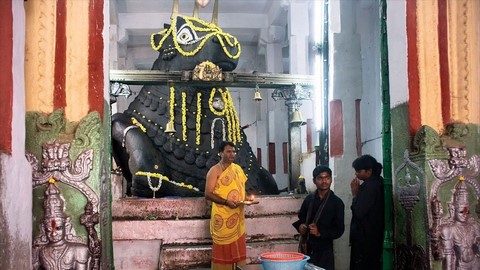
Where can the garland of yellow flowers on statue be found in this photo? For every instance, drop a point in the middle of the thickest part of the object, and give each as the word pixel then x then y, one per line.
pixel 184 116
pixel 233 124
pixel 208 27
pixel 199 118
pixel 161 178
pixel 172 104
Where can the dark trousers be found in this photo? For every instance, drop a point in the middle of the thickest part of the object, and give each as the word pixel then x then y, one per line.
pixel 365 257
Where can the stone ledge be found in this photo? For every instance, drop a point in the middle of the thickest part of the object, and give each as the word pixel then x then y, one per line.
pixel 189 208
pixel 197 231
pixel 142 255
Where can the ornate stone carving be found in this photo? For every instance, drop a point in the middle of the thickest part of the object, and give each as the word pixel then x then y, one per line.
pixel 411 256
pixel 427 143
pixel 56 164
pixel 455 238
pixel 457 165
pixel 57 247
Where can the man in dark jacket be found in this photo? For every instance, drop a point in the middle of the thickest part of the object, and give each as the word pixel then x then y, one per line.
pixel 366 229
pixel 321 220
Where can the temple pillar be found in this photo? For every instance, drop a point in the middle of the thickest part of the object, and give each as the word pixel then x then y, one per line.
pixel 68 125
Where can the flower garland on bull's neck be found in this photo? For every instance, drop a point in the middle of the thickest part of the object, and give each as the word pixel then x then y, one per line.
pixel 163 178
pixel 233 124
pixel 210 102
pixel 172 104
pixel 208 27
pixel 228 112
pixel 199 118
pixel 138 124
pixel 184 116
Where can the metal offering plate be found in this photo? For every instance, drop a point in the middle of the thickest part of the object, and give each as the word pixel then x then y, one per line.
pixel 249 202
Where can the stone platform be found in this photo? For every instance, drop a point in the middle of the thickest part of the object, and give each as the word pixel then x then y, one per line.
pixel 173 233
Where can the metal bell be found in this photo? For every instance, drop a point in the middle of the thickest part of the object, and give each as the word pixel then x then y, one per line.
pixel 297 119
pixel 257 96
pixel 170 128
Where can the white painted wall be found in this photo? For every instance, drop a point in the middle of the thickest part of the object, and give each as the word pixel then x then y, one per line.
pixel 355 74
pixel 16 194
pixel 397 47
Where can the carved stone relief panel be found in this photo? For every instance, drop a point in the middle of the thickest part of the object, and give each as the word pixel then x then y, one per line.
pixel 454 232
pixel 57 246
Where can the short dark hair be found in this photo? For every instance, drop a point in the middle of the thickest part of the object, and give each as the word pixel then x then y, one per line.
pixel 320 169
pixel 222 145
pixel 367 162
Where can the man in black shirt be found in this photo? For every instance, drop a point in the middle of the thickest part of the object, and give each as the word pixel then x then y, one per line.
pixel 366 229
pixel 321 220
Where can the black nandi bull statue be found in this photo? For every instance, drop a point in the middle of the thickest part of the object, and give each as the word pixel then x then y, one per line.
pixel 157 162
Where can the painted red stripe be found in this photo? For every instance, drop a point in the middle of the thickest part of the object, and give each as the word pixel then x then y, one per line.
pixel 95 56
pixel 272 167
pixel 309 135
pixel 285 157
pixel 443 53
pixel 59 95
pixel 6 75
pixel 336 128
pixel 415 120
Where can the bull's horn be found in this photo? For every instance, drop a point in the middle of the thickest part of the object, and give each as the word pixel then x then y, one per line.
pixel 175 9
pixel 195 10
pixel 215 13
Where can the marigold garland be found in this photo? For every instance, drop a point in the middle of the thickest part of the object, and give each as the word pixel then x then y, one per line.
pixel 233 123
pixel 138 124
pixel 184 116
pixel 210 102
pixel 199 118
pixel 209 27
pixel 172 104
pixel 165 178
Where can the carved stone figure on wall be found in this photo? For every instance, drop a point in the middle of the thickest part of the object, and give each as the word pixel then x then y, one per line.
pixel 57 248
pixel 460 237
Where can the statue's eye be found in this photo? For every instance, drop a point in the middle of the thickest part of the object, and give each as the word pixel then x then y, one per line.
pixel 185 35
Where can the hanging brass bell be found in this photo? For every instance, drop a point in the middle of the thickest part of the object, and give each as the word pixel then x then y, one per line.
pixel 297 119
pixel 170 128
pixel 257 96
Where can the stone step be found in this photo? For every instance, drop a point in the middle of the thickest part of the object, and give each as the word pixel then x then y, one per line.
pixel 196 231
pixel 143 255
pixel 173 208
pixel 173 233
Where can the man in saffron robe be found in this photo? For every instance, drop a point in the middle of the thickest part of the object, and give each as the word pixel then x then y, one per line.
pixel 225 187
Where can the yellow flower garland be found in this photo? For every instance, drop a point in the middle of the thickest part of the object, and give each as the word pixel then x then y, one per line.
pixel 184 116
pixel 164 178
pixel 138 124
pixel 210 101
pixel 199 118
pixel 209 27
pixel 233 123
pixel 172 104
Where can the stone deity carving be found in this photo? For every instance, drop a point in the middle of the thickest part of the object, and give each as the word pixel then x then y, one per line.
pixel 57 248
pixel 460 236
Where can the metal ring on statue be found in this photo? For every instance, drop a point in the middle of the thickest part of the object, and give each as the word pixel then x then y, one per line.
pixel 125 133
